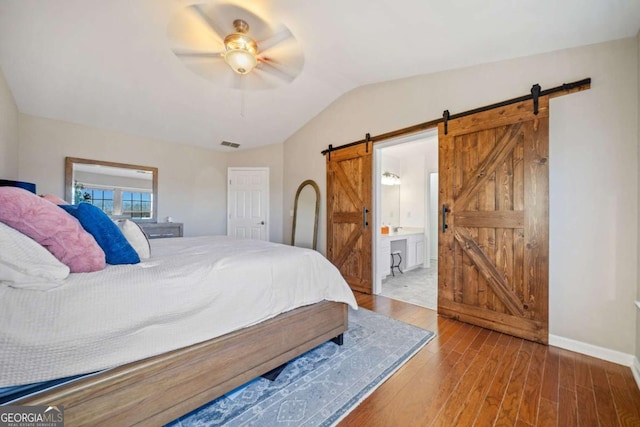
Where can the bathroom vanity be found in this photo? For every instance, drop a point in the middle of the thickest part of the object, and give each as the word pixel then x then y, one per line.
pixel 409 241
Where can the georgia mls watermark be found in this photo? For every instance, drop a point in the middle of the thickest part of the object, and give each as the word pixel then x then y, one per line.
pixel 32 416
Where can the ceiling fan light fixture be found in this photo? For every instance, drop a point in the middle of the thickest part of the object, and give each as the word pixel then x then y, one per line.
pixel 241 51
pixel 240 60
pixel 208 43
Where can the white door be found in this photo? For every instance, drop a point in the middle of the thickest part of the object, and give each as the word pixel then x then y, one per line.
pixel 248 203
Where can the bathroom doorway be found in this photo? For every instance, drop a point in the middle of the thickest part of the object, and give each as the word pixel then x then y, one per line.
pixel 405 172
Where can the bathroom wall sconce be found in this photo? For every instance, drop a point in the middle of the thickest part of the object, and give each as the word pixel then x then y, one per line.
pixel 389 178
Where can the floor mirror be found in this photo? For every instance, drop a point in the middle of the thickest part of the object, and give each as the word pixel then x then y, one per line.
pixel 306 209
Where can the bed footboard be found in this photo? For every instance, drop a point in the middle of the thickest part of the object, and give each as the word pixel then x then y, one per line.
pixel 157 390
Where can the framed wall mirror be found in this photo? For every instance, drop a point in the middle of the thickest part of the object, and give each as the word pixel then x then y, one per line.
pixel 121 190
pixel 390 204
pixel 306 209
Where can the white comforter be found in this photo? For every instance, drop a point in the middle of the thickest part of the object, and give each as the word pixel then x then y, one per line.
pixel 189 291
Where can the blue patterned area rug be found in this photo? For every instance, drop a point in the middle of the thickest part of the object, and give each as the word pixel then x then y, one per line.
pixel 323 385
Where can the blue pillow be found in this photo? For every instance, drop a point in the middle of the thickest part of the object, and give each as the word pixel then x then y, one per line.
pixel 109 237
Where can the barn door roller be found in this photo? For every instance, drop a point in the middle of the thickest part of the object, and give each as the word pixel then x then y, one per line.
pixel 445 120
pixel 535 94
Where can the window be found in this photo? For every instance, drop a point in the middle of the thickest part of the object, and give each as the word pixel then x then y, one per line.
pixel 100 198
pixel 116 202
pixel 136 205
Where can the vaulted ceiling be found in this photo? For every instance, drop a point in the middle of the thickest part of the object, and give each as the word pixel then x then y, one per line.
pixel 109 64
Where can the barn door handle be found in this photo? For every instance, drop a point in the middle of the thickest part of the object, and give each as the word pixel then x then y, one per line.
pixel 445 210
pixel 365 211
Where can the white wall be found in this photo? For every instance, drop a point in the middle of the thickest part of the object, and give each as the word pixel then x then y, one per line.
pixel 191 181
pixel 310 165
pixel 270 156
pixel 637 361
pixel 8 132
pixel 413 191
pixel 593 168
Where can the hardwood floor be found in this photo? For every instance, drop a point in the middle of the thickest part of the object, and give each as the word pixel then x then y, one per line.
pixel 470 376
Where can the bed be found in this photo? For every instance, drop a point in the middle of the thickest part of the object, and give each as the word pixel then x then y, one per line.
pixel 161 338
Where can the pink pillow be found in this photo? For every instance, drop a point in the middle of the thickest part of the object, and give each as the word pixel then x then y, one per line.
pixel 52 227
pixel 54 199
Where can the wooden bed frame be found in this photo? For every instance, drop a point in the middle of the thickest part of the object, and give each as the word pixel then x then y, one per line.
pixel 160 389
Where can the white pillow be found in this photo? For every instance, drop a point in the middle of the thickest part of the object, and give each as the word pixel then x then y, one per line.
pixel 135 236
pixel 24 263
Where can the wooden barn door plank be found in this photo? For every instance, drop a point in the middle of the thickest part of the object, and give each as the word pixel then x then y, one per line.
pixel 349 216
pixel 493 257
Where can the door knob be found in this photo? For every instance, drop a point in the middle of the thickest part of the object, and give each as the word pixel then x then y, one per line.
pixel 261 223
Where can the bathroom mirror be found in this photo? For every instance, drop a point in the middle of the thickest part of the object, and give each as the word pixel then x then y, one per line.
pixel 306 209
pixel 390 204
pixel 121 190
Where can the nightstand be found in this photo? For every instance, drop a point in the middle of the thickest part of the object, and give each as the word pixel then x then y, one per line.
pixel 161 230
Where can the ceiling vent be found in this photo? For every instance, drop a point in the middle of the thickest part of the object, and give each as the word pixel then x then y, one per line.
pixel 230 144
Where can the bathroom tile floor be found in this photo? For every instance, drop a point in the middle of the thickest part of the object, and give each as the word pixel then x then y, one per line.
pixel 418 286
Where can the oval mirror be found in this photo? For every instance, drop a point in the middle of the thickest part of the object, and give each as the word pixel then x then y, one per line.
pixel 305 215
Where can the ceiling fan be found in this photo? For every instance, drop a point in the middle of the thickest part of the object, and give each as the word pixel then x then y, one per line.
pixel 233 47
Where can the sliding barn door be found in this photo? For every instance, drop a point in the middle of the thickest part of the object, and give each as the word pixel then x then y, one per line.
pixel 494 197
pixel 349 217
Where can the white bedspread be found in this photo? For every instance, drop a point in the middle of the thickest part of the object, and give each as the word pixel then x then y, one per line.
pixel 189 291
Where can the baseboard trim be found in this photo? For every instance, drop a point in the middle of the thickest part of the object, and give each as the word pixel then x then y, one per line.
pixel 636 370
pixel 593 350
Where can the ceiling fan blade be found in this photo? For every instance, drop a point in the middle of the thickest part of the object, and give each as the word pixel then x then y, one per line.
pixel 217 29
pixel 271 68
pixel 189 54
pixel 279 37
